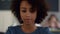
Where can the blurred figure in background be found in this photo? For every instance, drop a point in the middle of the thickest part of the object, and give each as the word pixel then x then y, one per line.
pixel 52 22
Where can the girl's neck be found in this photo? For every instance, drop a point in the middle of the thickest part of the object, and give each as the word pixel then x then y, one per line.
pixel 28 28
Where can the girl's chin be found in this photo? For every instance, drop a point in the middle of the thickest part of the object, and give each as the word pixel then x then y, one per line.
pixel 28 22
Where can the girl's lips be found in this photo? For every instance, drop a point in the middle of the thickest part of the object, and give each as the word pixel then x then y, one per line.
pixel 27 19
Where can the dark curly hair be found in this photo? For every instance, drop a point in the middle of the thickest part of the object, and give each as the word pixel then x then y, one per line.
pixel 39 4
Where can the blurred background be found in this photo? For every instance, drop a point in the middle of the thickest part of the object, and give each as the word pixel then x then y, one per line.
pixel 8 19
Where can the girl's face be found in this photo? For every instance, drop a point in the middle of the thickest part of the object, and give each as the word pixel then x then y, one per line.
pixel 26 13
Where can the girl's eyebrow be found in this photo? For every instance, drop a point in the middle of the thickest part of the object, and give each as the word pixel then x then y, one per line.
pixel 23 8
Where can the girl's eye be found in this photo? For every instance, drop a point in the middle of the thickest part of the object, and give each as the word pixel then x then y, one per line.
pixel 32 10
pixel 24 11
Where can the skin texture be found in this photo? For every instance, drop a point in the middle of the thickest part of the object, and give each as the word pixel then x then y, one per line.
pixel 28 17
